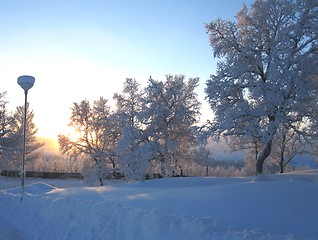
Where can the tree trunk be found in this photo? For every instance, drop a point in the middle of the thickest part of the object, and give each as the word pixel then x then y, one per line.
pixel 101 181
pixel 262 156
pixel 181 171
pixel 281 164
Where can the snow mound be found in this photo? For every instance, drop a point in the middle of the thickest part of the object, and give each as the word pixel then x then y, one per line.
pixel 39 188
pixel 33 189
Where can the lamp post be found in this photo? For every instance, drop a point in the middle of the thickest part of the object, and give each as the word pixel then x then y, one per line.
pixel 26 82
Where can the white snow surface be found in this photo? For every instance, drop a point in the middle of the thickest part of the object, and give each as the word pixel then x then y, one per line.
pixel 281 206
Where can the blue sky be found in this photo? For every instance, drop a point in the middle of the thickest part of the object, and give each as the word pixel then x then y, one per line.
pixel 86 49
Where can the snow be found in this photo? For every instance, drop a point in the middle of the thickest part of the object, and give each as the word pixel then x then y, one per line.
pixel 280 206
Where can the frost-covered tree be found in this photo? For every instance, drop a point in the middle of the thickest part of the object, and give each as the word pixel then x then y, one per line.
pixel 135 154
pixel 3 115
pixel 287 144
pixel 97 137
pixel 5 141
pixel 315 151
pixel 251 147
pixel 128 103
pixel 3 121
pixel 51 162
pixel 133 149
pixel 33 146
pixel 171 108
pixel 200 155
pixel 267 73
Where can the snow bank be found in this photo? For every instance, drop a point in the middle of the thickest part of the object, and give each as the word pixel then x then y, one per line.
pixel 35 188
pixel 49 218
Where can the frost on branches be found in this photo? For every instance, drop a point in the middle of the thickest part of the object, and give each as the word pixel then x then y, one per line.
pixel 158 132
pixel 96 135
pixel 170 110
pixel 267 74
pixel 132 149
pixel 150 133
pixel 11 130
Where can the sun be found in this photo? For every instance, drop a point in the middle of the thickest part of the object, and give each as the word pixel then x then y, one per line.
pixel 71 134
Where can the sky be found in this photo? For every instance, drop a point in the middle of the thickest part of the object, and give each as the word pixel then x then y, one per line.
pixel 80 49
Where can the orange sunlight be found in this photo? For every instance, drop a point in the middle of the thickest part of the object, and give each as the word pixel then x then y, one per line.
pixel 50 145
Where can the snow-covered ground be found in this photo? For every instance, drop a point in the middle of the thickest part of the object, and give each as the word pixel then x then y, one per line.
pixel 281 206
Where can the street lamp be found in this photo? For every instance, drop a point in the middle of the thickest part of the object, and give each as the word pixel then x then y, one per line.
pixel 26 82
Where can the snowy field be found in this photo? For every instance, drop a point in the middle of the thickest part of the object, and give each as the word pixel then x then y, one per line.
pixel 266 207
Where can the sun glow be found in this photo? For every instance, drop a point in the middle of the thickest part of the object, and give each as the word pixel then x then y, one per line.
pixel 71 134
pixel 50 144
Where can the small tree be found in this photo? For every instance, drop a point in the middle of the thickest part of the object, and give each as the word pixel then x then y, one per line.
pixel 33 146
pixel 200 155
pixel 4 127
pixel 315 151
pixel 3 115
pixel 287 144
pixel 267 76
pixel 251 147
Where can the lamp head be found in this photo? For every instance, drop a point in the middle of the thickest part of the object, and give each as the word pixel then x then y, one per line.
pixel 26 82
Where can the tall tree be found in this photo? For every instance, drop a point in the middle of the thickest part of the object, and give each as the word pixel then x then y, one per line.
pixel 133 147
pixel 267 75
pixel 96 136
pixel 171 109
